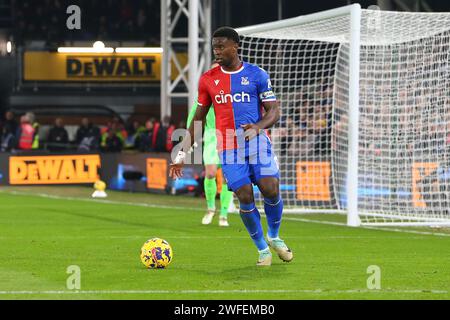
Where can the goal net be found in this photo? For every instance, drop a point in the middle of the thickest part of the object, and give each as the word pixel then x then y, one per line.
pixel 365 125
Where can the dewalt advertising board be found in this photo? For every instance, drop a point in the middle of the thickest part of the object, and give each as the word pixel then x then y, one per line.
pixel 119 67
pixel 66 169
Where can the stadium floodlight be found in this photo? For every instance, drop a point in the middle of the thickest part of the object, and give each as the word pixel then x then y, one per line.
pixel 98 47
pixel 139 50
pixel 364 97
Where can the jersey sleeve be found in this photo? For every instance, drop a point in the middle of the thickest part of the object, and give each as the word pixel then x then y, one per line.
pixel 265 91
pixel 204 99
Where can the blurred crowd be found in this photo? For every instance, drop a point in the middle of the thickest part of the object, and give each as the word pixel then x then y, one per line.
pixel 306 123
pixel 24 133
pixel 100 19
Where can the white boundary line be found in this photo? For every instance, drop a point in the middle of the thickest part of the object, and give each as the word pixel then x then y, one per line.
pixel 136 204
pixel 370 228
pixel 317 291
pixel 147 205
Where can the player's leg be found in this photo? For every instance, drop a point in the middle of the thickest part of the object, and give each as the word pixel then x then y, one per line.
pixel 252 220
pixel 238 180
pixel 225 199
pixel 273 204
pixel 265 173
pixel 211 161
pixel 210 187
pixel 273 207
pixel 211 157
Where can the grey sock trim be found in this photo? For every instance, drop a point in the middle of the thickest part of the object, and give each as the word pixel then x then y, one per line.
pixel 247 211
pixel 272 204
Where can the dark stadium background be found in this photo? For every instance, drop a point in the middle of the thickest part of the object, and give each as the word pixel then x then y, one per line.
pixel 123 107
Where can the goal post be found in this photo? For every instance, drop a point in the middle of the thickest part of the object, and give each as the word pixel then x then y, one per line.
pixel 353 116
pixel 365 112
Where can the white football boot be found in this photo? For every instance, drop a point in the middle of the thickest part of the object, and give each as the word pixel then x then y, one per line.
pixel 265 258
pixel 223 222
pixel 207 218
pixel 278 245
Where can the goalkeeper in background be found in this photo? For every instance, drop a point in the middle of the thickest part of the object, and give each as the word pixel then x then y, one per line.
pixel 212 163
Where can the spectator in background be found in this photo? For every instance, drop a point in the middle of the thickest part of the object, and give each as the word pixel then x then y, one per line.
pixel 144 142
pixel 8 131
pixel 116 128
pixel 182 124
pixel 25 133
pixel 141 19
pixel 31 117
pixel 163 135
pixel 87 136
pixel 287 135
pixel 58 137
pixel 134 130
pixel 10 123
pixel 112 142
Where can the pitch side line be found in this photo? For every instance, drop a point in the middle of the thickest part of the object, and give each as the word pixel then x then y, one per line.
pixel 317 291
pixel 365 227
pixel 147 205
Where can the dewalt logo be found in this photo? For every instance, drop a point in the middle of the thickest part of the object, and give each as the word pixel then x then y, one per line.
pixel 67 169
pixel 110 67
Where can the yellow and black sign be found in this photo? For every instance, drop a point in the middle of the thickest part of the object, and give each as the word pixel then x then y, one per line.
pixel 51 66
pixel 156 173
pixel 107 67
pixel 313 181
pixel 67 169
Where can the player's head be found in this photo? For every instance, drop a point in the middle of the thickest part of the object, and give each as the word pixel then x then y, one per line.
pixel 225 43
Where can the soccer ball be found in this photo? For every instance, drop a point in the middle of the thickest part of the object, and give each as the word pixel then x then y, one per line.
pixel 156 253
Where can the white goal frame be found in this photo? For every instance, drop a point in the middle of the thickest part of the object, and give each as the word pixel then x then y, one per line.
pixel 354 11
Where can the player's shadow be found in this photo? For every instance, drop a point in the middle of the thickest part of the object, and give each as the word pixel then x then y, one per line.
pixel 251 272
pixel 256 272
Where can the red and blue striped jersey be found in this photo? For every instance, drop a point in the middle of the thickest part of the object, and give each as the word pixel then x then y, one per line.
pixel 237 98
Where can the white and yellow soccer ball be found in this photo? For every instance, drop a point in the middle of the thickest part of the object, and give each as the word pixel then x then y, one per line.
pixel 156 253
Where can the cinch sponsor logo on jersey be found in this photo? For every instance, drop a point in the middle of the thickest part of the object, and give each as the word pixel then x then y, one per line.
pixel 237 97
pixel 54 169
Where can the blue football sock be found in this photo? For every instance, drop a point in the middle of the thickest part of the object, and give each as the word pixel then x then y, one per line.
pixel 252 221
pixel 273 208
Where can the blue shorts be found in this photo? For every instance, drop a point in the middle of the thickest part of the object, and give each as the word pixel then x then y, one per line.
pixel 240 170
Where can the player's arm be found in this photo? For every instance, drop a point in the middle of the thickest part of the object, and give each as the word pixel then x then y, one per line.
pixel 204 103
pixel 271 116
pixel 270 104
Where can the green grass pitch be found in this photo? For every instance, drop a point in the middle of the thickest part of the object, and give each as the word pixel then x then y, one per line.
pixel 40 237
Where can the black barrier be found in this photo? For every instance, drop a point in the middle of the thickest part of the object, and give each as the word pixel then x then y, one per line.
pixel 4 168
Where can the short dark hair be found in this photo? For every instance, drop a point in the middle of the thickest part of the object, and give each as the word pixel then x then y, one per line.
pixel 227 32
